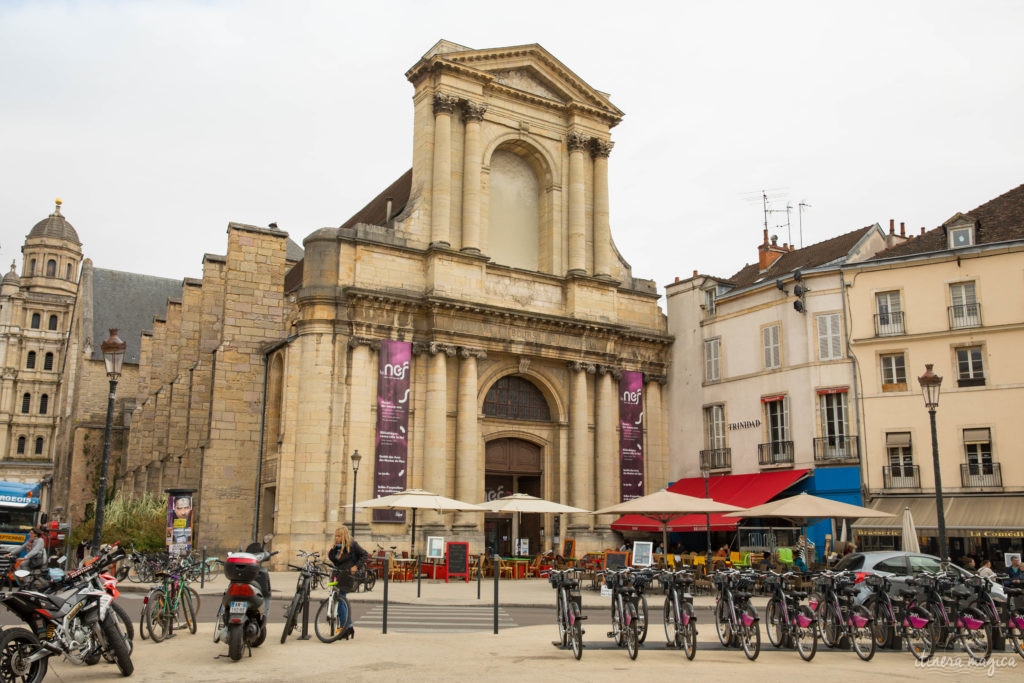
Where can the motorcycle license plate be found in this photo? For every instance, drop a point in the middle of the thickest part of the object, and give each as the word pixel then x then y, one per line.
pixel 238 607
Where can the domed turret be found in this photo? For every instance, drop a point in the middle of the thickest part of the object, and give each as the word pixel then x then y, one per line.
pixel 11 282
pixel 52 255
pixel 55 226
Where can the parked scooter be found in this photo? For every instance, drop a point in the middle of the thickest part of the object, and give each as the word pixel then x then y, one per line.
pixel 242 619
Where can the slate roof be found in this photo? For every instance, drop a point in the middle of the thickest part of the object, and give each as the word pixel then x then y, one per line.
pixel 809 257
pixel 997 220
pixel 375 212
pixel 127 301
pixel 293 252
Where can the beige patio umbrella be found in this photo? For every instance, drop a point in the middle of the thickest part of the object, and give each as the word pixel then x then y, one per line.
pixel 417 499
pixel 522 502
pixel 910 542
pixel 664 506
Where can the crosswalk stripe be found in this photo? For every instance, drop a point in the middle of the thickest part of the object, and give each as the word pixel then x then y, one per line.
pixel 426 618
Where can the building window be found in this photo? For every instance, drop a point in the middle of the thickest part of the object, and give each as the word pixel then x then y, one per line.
pixel 515 398
pixel 712 353
pixel 776 414
pixel 969 369
pixel 35 321
pixel 30 361
pixel 980 469
pixel 964 311
pixel 26 402
pixel 53 323
pixel 67 272
pixel 889 316
pixel 21 445
pixel 833 416
pixel 32 267
pixel 709 302
pixel 894 372
pixel 51 268
pixel 39 445
pixel 961 237
pixel 44 404
pixel 772 347
pixel 48 361
pixel 830 344
pixel 901 460
pixel 714 427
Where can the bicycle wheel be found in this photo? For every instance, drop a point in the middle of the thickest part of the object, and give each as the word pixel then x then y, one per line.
pixel 1015 631
pixel 881 624
pixel 133 572
pixel 722 623
pixel 673 630
pixel 829 623
pixel 977 641
pixel 143 620
pixel 575 630
pixel 689 630
pixel 370 582
pixel 618 624
pixel 195 598
pixel 774 622
pixel 188 611
pixel 641 615
pixel 632 633
pixel 325 624
pixel 805 637
pixel 920 633
pixel 290 615
pixel 938 617
pixel 560 619
pixel 861 632
pixel 158 620
pixel 750 636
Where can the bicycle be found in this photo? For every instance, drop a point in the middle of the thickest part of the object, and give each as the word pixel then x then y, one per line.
pixel 736 620
pixel 163 603
pixel 569 608
pixel 789 623
pixel 945 597
pixel 642 578
pixel 365 577
pixel 624 609
pixel 679 620
pixel 308 575
pixel 838 616
pixel 904 620
pixel 1012 625
pixel 326 622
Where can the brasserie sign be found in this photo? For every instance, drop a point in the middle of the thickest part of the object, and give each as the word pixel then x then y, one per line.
pixel 745 424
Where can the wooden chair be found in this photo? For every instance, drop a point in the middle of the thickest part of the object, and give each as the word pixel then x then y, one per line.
pixel 533 570
pixel 397 571
pixel 505 569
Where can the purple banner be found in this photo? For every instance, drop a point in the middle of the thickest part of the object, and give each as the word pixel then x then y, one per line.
pixel 392 425
pixel 631 436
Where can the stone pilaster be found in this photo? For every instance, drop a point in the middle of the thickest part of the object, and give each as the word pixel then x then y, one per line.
pixel 577 144
pixel 441 201
pixel 606 442
pixel 602 230
pixel 656 448
pixel 472 113
pixel 469 458
pixel 361 425
pixel 435 449
pixel 581 471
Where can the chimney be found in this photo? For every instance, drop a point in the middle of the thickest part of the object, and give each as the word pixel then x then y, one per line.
pixel 767 253
pixel 677 278
pixel 387 212
pixel 892 226
pixel 903 229
pixel 695 273
pixel 922 231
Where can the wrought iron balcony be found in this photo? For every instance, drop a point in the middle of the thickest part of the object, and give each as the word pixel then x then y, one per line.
pixel 716 459
pixel 830 450
pixel 965 315
pixel 901 477
pixel 981 475
pixel 775 453
pixel 889 324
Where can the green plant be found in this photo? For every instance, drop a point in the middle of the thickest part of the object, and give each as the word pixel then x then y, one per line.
pixel 140 521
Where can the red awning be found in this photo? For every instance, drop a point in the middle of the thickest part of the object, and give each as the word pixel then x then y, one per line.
pixel 743 490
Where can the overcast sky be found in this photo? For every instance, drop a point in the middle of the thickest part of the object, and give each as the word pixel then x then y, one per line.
pixel 158 123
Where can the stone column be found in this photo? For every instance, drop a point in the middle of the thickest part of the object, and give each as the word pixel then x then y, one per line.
pixel 472 113
pixel 435 445
pixel 581 471
pixel 656 447
pixel 468 456
pixel 577 144
pixel 441 200
pixel 602 230
pixel 361 426
pixel 606 443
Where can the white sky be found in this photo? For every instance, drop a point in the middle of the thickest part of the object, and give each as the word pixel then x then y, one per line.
pixel 159 122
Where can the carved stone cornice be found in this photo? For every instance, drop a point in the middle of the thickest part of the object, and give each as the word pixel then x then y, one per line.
pixel 657 379
pixel 468 352
pixel 580 366
pixel 445 103
pixel 473 111
pixel 601 148
pixel 576 141
pixel 374 344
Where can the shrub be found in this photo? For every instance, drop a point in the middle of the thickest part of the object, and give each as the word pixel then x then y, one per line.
pixel 139 522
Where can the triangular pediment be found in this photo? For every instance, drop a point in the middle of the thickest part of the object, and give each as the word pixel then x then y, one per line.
pixel 959 220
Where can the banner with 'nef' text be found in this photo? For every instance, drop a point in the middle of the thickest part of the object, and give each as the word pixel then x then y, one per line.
pixel 391 452
pixel 631 436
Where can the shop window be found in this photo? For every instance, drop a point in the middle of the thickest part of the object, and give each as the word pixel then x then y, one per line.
pixel 894 372
pixel 44 404
pixel 35 321
pixel 712 355
pixel 21 445
pixel 771 343
pixel 52 323
pixel 48 361
pixel 30 360
pixel 39 445
pixel 969 369
pixel 51 268
pixel 515 398
pixel 26 402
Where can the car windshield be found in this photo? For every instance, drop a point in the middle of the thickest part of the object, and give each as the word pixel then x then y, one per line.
pixel 853 561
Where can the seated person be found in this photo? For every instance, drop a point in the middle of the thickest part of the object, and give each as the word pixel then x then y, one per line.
pixel 799 564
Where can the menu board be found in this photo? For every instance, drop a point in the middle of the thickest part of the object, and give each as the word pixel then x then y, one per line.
pixel 569 548
pixel 615 560
pixel 456 560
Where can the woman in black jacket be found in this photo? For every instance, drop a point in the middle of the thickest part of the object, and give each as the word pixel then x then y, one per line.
pixel 345 554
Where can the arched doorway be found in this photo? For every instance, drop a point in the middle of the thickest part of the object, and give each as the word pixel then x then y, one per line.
pixel 512 466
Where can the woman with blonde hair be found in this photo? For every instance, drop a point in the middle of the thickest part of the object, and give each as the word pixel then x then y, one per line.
pixel 345 555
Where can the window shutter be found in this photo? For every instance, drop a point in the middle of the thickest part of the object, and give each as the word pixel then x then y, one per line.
pixel 837 336
pixel 977 436
pixel 893 439
pixel 823 337
pixel 776 346
pixel 772 350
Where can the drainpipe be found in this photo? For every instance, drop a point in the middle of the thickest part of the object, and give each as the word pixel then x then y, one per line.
pixel 856 391
pixel 263 418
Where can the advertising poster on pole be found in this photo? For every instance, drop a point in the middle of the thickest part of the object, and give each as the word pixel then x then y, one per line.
pixel 631 436
pixel 180 521
pixel 390 457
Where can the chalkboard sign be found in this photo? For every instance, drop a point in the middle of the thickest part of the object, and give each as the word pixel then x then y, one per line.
pixel 569 548
pixel 457 560
pixel 615 560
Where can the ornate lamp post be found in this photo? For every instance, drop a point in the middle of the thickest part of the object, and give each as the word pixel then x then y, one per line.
pixel 930 383
pixel 113 356
pixel 355 471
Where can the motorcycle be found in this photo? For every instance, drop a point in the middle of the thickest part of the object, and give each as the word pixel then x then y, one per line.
pixel 242 619
pixel 74 620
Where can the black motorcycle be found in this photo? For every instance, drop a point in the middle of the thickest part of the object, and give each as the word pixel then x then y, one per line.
pixel 242 619
pixel 74 620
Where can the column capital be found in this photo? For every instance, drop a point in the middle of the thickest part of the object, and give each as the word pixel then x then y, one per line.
pixel 467 352
pixel 374 344
pixel 601 148
pixel 576 141
pixel 445 103
pixel 658 379
pixel 473 111
pixel 580 366
pixel 446 349
pixel 612 370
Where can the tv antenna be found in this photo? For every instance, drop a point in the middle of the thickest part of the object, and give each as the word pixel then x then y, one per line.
pixel 765 198
pixel 803 203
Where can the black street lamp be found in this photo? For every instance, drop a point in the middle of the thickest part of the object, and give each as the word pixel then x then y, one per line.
pixel 706 473
pixel 930 383
pixel 113 356
pixel 355 471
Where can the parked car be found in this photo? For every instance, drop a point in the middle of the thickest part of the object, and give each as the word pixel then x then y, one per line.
pixel 897 565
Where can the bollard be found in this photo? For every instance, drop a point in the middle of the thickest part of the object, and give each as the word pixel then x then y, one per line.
pixel 419 573
pixel 384 618
pixel 202 570
pixel 479 573
pixel 497 561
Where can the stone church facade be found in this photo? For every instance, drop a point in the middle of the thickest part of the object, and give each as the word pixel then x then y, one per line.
pixel 493 257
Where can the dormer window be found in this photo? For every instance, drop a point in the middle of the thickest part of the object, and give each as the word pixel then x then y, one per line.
pixel 709 302
pixel 961 237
